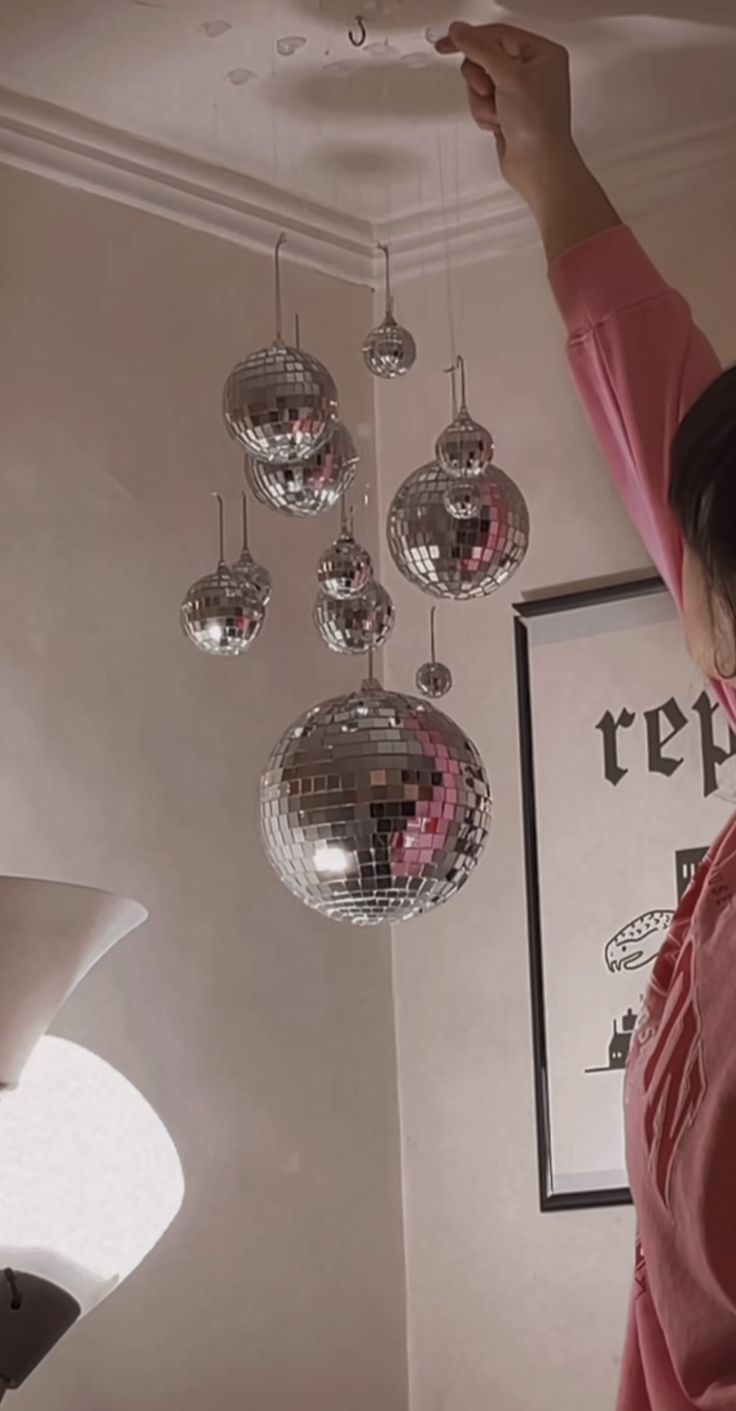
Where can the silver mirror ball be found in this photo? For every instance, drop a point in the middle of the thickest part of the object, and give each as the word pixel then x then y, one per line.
pixel 374 807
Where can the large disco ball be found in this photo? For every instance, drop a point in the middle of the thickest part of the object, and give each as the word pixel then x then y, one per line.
pixel 306 487
pixel 452 557
pixel 355 625
pixel 374 807
pixel 280 403
pixel 222 613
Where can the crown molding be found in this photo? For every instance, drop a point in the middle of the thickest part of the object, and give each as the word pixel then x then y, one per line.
pixel 495 222
pixel 89 156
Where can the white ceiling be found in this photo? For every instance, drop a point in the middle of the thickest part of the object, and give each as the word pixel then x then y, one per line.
pixel 377 131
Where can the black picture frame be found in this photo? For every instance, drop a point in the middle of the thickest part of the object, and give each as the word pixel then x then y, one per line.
pixel 549 1199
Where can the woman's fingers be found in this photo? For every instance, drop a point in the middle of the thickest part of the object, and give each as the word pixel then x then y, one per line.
pixel 477 79
pixel 481 96
pixel 483 112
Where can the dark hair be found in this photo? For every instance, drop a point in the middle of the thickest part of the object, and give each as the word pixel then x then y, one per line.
pixel 702 491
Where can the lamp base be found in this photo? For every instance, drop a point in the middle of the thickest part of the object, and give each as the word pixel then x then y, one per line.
pixel 34 1315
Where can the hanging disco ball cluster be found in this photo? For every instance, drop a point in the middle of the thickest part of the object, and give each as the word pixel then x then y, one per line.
pixel 374 806
pixel 352 612
pixel 458 527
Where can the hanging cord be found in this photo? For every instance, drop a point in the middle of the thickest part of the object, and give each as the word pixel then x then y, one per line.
pixel 389 295
pixel 277 281
pixel 347 516
pixel 220 530
pixel 446 243
pixel 432 643
pixel 451 372
pixel 244 496
pixel 463 384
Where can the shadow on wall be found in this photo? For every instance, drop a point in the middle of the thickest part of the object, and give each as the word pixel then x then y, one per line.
pixel 541 12
pixel 372 164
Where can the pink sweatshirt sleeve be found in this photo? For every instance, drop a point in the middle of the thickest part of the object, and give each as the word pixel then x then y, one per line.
pixel 639 363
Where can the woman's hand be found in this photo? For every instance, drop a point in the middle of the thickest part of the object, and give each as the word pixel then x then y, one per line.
pixel 519 89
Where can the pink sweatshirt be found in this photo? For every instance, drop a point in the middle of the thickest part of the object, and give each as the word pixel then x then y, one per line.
pixel 639 363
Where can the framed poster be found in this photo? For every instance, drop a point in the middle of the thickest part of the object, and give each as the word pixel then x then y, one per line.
pixel 626 782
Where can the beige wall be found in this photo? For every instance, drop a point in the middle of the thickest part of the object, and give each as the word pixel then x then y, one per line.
pixel 508 1309
pixel 263 1035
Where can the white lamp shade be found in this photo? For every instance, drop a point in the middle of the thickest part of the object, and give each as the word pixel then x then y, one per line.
pixel 89 1176
pixel 51 933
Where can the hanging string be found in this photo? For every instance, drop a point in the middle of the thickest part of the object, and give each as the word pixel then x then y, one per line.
pixel 456 176
pixel 220 529
pixel 274 104
pixel 387 276
pixel 244 498
pixel 446 243
pixel 463 384
pixel 426 305
pixel 452 373
pixel 277 265
pixel 433 649
pixel 389 187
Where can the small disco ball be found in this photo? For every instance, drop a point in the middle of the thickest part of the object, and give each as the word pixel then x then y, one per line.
pixel 434 680
pixel 389 350
pixel 256 574
pixel 457 558
pixel 355 625
pixel 222 614
pixel 280 403
pixel 345 569
pixel 464 447
pixel 306 487
pixel 374 807
pixel 463 496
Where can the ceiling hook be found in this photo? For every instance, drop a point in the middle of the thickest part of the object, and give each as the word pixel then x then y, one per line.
pixel 362 33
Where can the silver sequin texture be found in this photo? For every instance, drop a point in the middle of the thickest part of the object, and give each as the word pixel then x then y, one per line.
pixel 434 680
pixel 457 558
pixel 355 625
pixel 280 403
pixel 222 613
pixel 306 487
pixel 389 350
pixel 345 568
pixel 374 807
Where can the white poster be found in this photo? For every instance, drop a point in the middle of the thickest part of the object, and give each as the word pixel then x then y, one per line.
pixel 625 761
